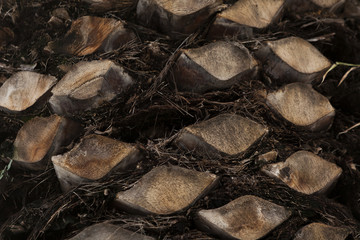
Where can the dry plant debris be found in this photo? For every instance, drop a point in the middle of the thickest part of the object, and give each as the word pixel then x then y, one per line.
pixel 125 92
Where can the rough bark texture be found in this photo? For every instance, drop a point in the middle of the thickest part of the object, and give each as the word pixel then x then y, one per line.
pixel 246 17
pixel 176 17
pixel 89 34
pixel 23 89
pixel 87 85
pixel 305 172
pixel 247 217
pixel 292 60
pixel 92 159
pixel 225 134
pixel 219 65
pixel 166 190
pixel 109 232
pixel 302 106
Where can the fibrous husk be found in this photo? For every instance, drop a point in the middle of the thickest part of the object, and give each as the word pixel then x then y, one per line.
pixel 301 105
pixel 292 59
pixel 166 190
pixel 352 9
pixel 40 138
pixel 6 36
pixel 320 231
pixel 227 134
pixel 106 5
pixel 214 66
pixel 349 99
pixel 89 34
pixel 246 218
pixel 10 9
pixel 87 85
pixel 92 159
pixel 176 17
pixel 245 17
pixel 107 231
pixel 23 89
pixel 301 6
pixel 305 172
